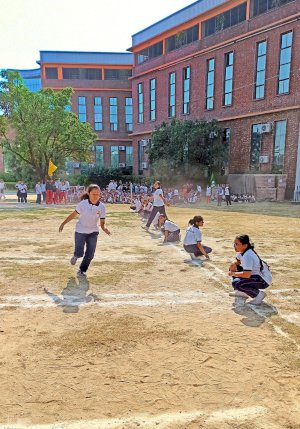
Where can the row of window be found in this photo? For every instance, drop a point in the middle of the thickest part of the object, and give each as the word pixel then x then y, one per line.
pixel 113 113
pixel 114 156
pixel 88 73
pixel 283 84
pixel 213 25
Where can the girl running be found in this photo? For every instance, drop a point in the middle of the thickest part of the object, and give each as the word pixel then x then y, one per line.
pixel 159 203
pixel 192 242
pixel 249 273
pixel 90 210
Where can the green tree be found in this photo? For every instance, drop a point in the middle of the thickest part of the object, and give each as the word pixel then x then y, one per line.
pixel 36 127
pixel 183 147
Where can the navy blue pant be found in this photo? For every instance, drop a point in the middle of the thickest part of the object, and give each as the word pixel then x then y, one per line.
pixel 193 248
pixel 153 213
pixel 88 240
pixel 249 286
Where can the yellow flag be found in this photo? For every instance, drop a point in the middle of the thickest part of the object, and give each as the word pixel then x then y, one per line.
pixel 51 169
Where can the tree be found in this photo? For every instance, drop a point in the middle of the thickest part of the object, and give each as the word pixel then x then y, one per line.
pixel 183 147
pixel 36 127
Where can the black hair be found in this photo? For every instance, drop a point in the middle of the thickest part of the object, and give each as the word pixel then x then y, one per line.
pixel 158 182
pixel 195 220
pixel 245 239
pixel 86 194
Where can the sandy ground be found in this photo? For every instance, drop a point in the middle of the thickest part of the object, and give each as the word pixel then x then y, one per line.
pixel 149 340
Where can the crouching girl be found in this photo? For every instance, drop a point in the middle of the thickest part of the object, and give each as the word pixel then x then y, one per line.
pixel 90 211
pixel 249 272
pixel 192 242
pixel 170 229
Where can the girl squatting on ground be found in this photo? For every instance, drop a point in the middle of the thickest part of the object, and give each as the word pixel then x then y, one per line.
pixel 249 273
pixel 90 210
pixel 193 238
pixel 170 230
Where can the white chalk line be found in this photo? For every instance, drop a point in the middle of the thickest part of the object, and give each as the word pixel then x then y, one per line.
pixel 149 422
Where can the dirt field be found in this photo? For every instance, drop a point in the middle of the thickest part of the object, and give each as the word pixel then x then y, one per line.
pixel 149 340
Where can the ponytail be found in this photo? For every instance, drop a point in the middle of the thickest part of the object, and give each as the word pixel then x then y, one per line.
pixel 244 239
pixel 195 220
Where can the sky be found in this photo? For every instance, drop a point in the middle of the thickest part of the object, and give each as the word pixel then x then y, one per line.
pixel 30 26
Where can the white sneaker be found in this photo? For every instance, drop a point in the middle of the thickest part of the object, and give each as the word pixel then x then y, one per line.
pixel 73 260
pixel 259 298
pixel 145 228
pixel 81 273
pixel 239 294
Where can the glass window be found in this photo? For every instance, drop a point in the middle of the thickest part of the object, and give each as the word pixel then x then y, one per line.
pixel 259 90
pixel 141 155
pixel 262 6
pixel 128 114
pixel 99 156
pixel 152 98
pixel 114 156
pixel 172 95
pixel 256 138
pixel 228 79
pixel 129 158
pixel 80 73
pixel 140 104
pixel 51 73
pixel 182 38
pixel 279 146
pixel 224 20
pixel 82 109
pixel 98 118
pixel 113 113
pixel 285 63
pixel 210 83
pixel 117 74
pixel 186 90
pixel 150 52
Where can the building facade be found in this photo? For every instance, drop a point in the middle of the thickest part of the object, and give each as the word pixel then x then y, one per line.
pixel 235 60
pixel 102 97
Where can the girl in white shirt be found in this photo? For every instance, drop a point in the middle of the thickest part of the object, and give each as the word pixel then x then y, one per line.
pixel 159 203
pixel 90 211
pixel 192 242
pixel 247 271
pixel 170 229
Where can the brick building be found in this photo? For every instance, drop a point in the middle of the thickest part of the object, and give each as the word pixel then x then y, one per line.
pixel 102 97
pixel 235 60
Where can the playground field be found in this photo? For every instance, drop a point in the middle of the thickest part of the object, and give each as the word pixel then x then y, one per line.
pixel 148 340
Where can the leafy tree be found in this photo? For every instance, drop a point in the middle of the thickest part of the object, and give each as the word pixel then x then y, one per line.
pixel 180 147
pixel 36 127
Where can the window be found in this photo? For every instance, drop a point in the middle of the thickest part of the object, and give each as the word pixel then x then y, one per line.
pixel 150 52
pixel 140 104
pixel 152 98
pixel 224 20
pixel 129 160
pixel 172 95
pixel 228 79
pixel 186 90
pixel 51 73
pixel 99 156
pixel 113 113
pixel 141 155
pixel 117 74
pixel 114 156
pixel 82 109
pixel 256 139
pixel 98 120
pixel 285 63
pixel 279 146
pixel 79 73
pixel 182 38
pixel 262 6
pixel 259 91
pixel 128 114
pixel 210 84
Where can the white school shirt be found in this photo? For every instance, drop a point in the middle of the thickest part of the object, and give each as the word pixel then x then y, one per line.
pixel 249 261
pixel 38 189
pixel 157 201
pixel 192 236
pixel 89 215
pixel 170 226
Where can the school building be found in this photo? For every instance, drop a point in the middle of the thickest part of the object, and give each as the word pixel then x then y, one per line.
pixel 237 61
